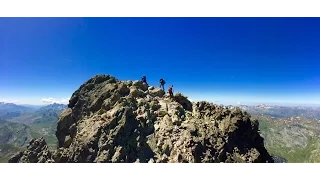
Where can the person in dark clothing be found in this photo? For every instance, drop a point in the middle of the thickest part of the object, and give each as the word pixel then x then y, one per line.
pixel 162 83
pixel 144 79
pixel 170 90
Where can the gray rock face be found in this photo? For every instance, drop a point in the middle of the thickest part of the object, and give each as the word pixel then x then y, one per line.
pixel 125 121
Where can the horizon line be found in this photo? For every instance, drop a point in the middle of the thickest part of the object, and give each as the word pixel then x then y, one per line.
pixel 215 102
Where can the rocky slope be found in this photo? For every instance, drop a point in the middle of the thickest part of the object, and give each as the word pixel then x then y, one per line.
pixel 108 120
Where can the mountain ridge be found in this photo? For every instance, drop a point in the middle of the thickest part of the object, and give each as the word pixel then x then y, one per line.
pixel 108 120
pixel 11 107
pixel 53 106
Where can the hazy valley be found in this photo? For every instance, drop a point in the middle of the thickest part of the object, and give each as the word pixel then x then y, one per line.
pixel 289 132
pixel 19 124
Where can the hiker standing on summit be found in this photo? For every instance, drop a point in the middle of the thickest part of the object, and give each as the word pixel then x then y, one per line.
pixel 144 79
pixel 170 90
pixel 162 82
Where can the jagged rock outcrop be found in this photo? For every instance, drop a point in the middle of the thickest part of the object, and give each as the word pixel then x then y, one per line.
pixel 37 151
pixel 108 120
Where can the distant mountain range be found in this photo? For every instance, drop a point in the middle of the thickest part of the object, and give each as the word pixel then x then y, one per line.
pixel 10 111
pixel 54 106
pixel 34 107
pixel 45 116
pixel 10 107
pixel 48 113
pixel 19 124
pixel 283 111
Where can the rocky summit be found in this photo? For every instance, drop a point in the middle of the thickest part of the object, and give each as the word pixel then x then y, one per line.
pixel 108 120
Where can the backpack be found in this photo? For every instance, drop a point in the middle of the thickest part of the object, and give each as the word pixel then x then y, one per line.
pixel 162 81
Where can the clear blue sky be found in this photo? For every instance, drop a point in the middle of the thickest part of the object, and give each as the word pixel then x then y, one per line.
pixel 227 60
